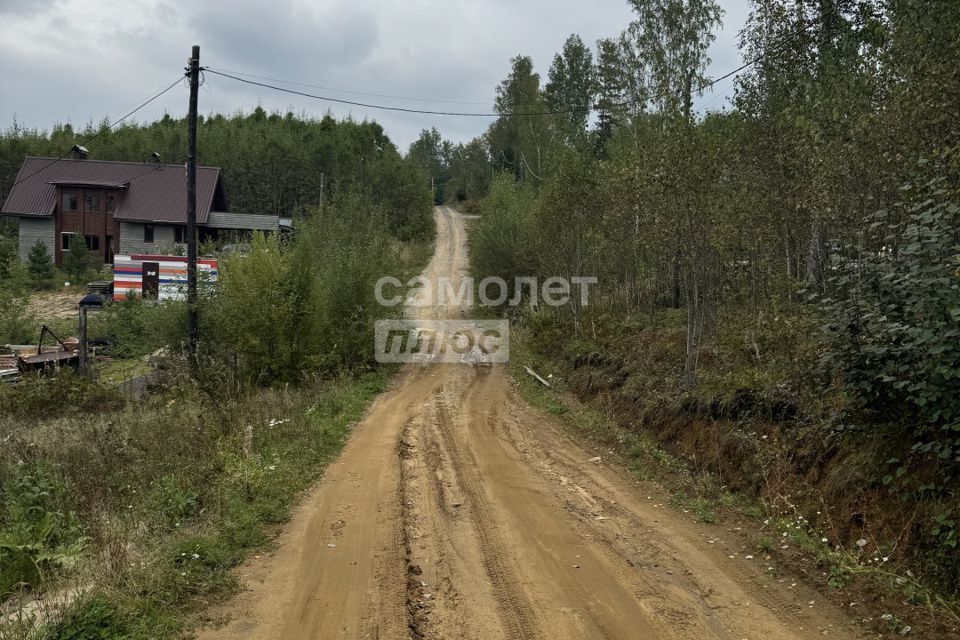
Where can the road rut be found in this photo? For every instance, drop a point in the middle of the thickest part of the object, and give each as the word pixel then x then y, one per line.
pixel 459 512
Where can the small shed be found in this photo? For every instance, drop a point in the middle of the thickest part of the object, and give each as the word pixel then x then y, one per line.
pixel 157 277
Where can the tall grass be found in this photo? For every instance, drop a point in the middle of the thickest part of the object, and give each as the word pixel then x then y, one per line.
pixel 150 506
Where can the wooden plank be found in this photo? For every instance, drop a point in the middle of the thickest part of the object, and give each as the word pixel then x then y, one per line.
pixel 539 379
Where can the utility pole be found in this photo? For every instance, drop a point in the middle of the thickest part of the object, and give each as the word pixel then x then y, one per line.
pixel 321 194
pixel 193 72
pixel 82 330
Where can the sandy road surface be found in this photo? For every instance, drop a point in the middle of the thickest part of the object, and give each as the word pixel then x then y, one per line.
pixel 457 512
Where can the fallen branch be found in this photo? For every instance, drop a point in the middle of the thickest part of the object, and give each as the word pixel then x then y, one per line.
pixel 539 379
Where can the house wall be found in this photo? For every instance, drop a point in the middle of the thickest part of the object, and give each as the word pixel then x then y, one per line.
pixel 131 238
pixel 33 229
pixel 92 218
pixel 223 220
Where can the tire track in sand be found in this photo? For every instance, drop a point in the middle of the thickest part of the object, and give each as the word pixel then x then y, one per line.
pixel 514 560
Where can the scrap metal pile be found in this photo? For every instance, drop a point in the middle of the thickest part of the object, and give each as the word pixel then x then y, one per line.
pixel 19 359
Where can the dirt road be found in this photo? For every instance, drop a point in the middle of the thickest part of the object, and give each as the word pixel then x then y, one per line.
pixel 457 512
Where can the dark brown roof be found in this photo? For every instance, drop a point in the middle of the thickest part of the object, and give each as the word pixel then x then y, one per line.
pixel 153 193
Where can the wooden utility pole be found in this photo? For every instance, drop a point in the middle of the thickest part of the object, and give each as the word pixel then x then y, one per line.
pixel 82 330
pixel 193 72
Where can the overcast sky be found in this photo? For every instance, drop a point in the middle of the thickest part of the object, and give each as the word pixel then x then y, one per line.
pixel 80 60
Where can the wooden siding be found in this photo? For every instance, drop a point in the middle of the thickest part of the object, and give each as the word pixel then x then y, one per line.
pixel 131 238
pixel 96 222
pixel 250 221
pixel 33 229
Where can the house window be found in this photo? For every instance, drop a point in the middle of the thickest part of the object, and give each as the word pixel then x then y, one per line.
pixel 65 241
pixel 92 201
pixel 111 203
pixel 93 242
pixel 148 233
pixel 70 201
pixel 180 235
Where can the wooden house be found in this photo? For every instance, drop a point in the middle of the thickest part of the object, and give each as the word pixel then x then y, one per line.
pixel 118 207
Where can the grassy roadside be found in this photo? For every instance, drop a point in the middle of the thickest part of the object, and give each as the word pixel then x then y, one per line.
pixel 122 518
pixel 149 507
pixel 782 537
pixel 120 370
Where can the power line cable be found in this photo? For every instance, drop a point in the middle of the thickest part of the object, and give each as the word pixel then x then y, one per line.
pixel 440 101
pixel 768 51
pixel 717 96
pixel 746 65
pixel 351 91
pixel 102 131
pixel 699 89
pixel 367 105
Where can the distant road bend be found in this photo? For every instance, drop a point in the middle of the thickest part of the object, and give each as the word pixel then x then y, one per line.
pixel 458 512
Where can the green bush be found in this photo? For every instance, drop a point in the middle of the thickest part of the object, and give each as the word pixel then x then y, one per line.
pixel 8 256
pixel 39 534
pixel 94 618
pixel 171 495
pixel 16 325
pixel 892 343
pixel 402 190
pixel 172 499
pixel 40 266
pixel 38 396
pixel 772 353
pixel 78 261
pixel 893 325
pixel 19 281
pixel 136 328
pixel 285 310
pixel 257 310
pixel 504 241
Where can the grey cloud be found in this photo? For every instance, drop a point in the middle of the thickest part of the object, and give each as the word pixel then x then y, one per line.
pixel 25 7
pixel 456 50
pixel 286 40
pixel 41 95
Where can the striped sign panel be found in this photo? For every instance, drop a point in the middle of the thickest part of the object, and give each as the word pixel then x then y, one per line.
pixel 128 275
